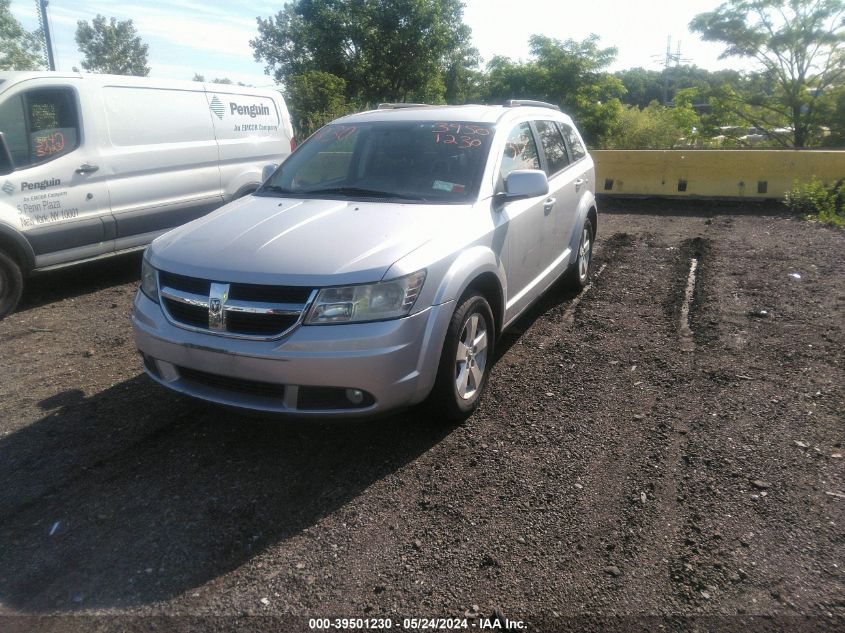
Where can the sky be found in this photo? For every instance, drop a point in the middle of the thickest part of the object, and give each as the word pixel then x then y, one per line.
pixel 211 37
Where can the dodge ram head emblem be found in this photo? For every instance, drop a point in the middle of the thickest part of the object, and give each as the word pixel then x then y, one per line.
pixel 217 297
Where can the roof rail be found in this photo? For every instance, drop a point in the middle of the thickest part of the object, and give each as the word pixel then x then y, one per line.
pixel 512 103
pixel 397 106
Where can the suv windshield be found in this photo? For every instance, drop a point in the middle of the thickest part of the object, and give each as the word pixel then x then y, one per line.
pixel 414 161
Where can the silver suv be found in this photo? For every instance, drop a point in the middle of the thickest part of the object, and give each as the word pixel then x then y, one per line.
pixel 376 267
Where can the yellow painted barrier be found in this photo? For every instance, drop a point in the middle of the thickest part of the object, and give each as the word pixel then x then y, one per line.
pixel 712 173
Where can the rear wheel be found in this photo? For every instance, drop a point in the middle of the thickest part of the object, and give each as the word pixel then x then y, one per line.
pixel 465 360
pixel 11 284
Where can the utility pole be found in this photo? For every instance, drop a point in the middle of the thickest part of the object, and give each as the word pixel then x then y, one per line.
pixel 45 26
pixel 668 61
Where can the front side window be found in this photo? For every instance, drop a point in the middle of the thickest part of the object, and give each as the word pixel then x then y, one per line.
pixel 575 144
pixel 39 125
pixel 416 161
pixel 553 147
pixel 520 151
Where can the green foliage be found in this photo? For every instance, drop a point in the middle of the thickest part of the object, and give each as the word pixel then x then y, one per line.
pixel 797 44
pixel 644 86
pixel 567 73
pixel 653 127
pixel 111 47
pixel 315 98
pixel 385 50
pixel 20 50
pixel 819 201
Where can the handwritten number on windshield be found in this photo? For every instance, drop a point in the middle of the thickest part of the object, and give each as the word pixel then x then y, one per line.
pixel 464 135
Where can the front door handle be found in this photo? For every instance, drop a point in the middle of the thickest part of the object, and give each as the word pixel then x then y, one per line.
pixel 87 168
pixel 548 205
pixel 579 182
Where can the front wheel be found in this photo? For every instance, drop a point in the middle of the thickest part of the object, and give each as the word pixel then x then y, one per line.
pixel 579 275
pixel 11 284
pixel 465 360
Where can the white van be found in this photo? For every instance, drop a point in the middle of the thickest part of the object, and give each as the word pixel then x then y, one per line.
pixel 96 165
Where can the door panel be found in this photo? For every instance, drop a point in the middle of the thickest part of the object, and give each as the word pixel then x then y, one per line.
pixel 526 220
pixel 162 157
pixel 57 195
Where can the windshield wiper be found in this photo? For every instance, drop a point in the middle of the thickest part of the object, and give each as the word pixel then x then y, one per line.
pixel 274 189
pixel 358 191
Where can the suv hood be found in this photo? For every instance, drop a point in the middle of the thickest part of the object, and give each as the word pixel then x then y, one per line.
pixel 291 241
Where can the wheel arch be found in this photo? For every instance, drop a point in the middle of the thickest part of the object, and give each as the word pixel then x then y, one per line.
pixel 17 246
pixel 478 269
pixel 488 285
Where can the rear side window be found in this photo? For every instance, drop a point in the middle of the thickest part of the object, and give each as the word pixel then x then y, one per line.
pixel 40 125
pixel 553 146
pixel 575 144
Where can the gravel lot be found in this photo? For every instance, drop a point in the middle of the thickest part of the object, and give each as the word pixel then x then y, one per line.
pixel 619 465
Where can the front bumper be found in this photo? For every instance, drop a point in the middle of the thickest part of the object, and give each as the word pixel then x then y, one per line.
pixel 393 362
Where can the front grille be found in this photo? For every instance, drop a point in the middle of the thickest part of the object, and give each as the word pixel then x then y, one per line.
pixel 258 324
pixel 269 294
pixel 233 385
pixel 195 316
pixel 180 282
pixel 251 310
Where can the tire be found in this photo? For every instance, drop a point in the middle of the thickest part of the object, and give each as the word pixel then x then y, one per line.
pixel 579 275
pixel 11 284
pixel 461 381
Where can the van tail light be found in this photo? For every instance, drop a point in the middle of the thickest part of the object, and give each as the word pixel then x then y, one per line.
pixel 292 143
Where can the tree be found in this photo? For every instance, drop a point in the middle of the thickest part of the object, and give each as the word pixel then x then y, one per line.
pixel 385 50
pixel 111 47
pixel 797 43
pixel 653 127
pixel 315 98
pixel 20 50
pixel 567 73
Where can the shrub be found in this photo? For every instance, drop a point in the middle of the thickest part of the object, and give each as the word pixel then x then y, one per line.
pixel 819 201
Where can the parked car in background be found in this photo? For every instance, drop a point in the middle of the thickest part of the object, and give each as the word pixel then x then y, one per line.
pixel 96 165
pixel 376 267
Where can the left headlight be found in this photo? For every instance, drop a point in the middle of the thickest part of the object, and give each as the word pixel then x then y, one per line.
pixel 149 280
pixel 369 302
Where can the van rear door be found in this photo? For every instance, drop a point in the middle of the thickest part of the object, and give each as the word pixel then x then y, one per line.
pixel 162 157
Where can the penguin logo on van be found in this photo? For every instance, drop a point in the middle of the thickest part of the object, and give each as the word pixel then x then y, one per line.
pixel 217 107
pixel 8 187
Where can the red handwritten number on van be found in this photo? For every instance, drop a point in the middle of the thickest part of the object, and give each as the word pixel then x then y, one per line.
pixel 49 144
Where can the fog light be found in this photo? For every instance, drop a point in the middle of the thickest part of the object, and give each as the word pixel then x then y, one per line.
pixel 355 396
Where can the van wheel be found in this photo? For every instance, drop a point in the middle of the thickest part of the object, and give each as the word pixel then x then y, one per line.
pixel 465 360
pixel 579 275
pixel 11 284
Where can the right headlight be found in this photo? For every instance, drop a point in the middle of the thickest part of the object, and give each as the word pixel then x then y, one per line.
pixel 149 280
pixel 367 302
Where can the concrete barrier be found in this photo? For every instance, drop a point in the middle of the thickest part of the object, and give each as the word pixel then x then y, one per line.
pixel 712 173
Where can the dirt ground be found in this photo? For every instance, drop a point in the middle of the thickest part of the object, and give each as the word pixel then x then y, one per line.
pixel 623 472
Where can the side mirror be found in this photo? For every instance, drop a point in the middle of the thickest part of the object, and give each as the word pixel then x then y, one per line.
pixel 525 183
pixel 268 171
pixel 7 166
